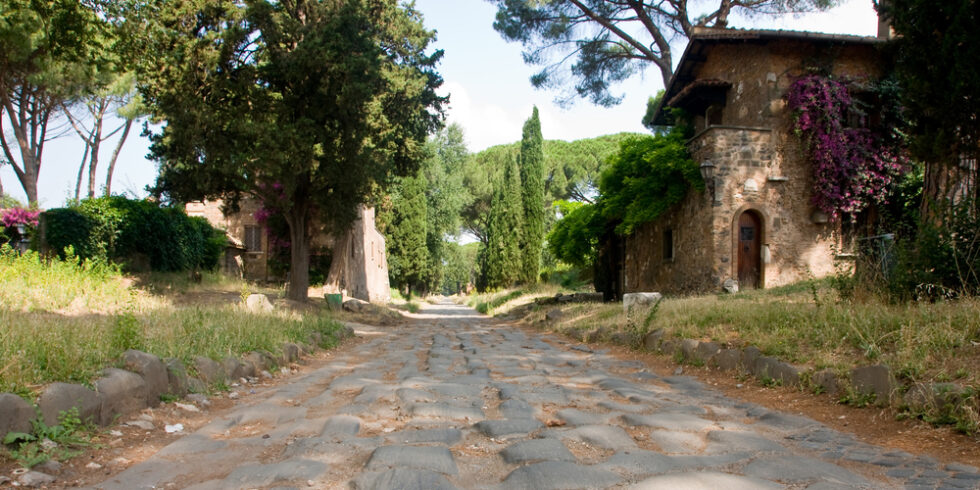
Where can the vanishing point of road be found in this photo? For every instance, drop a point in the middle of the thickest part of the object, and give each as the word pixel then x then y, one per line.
pixel 456 400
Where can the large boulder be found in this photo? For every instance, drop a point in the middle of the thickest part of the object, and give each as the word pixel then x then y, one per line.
pixel 62 397
pixel 122 393
pixel 258 303
pixel 727 359
pixel 653 339
pixel 290 352
pixel 209 370
pixel 153 370
pixel 634 301
pixel 826 380
pixel 873 380
pixel 236 369
pixel 16 414
pixel 177 379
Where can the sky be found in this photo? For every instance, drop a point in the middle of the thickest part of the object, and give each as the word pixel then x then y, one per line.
pixel 487 81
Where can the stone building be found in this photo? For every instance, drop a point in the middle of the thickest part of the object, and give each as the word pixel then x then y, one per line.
pixel 754 225
pixel 359 267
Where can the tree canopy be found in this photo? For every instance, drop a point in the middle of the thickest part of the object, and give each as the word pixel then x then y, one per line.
pixel 936 50
pixel 571 172
pixel 643 180
pixel 594 44
pixel 50 50
pixel 308 106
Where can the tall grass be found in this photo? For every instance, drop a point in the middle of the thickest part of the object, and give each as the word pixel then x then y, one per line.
pixel 805 323
pixel 66 320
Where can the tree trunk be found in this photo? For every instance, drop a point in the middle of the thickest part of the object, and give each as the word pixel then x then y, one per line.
pixel 115 156
pixel 299 254
pixel 81 171
pixel 337 277
pixel 94 156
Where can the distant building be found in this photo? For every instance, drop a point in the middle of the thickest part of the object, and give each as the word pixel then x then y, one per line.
pixel 754 225
pixel 359 266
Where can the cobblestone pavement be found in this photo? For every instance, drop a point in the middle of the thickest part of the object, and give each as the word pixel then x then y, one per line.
pixel 454 401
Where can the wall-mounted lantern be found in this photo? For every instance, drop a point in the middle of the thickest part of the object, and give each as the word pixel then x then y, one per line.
pixel 708 174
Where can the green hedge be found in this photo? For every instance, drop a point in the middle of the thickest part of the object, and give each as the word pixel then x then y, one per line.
pixel 130 232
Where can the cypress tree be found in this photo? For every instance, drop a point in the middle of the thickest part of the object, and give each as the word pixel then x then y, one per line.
pixel 407 252
pixel 532 197
pixel 501 258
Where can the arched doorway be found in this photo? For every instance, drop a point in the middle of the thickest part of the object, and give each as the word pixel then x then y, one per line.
pixel 749 236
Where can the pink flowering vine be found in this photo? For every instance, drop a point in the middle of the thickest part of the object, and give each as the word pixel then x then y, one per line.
pixel 11 217
pixel 852 167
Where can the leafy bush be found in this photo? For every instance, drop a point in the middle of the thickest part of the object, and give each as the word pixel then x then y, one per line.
pixel 121 230
pixel 944 259
pixel 647 177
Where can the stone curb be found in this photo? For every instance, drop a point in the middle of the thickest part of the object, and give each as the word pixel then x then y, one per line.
pixel 876 382
pixel 143 379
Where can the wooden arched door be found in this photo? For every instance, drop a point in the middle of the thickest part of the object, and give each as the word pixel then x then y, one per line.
pixel 749 250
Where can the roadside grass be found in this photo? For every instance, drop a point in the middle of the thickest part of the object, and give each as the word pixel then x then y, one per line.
pixel 805 323
pixel 502 301
pixel 66 321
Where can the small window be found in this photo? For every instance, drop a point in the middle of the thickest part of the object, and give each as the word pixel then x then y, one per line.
pixel 253 238
pixel 668 244
pixel 712 116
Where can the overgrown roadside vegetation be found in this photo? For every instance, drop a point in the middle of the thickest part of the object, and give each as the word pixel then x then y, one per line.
pixel 804 324
pixel 66 320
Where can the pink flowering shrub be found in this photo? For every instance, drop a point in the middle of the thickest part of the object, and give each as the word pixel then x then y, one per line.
pixel 852 167
pixel 11 217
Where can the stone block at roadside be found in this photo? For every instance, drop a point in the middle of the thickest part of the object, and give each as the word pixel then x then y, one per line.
pixel 153 371
pixel 122 393
pixel 15 414
pixel 62 397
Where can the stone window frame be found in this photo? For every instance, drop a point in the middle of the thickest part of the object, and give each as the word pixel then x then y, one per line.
pixel 668 245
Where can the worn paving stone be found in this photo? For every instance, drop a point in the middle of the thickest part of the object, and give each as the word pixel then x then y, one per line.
pixel 794 469
pixel 640 463
pixel 604 436
pixel 517 409
pixel 341 426
pixel 500 429
pixel 536 450
pixel 419 396
pixel 560 475
pixel 441 435
pixel 573 417
pixel 704 481
pixel 445 410
pixel 674 442
pixel 437 459
pixel 721 441
pixel 402 479
pixel 671 421
pixel 259 475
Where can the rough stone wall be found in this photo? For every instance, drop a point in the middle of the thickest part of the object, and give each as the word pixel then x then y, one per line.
pixel 360 265
pixel 759 166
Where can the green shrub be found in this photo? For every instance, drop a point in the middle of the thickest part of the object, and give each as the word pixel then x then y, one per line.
pixel 124 230
pixel 67 227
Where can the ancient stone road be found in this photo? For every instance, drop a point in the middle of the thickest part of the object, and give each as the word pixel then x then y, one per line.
pixel 458 402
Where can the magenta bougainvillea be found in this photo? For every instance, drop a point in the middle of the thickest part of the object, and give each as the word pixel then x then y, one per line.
pixel 852 166
pixel 11 217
